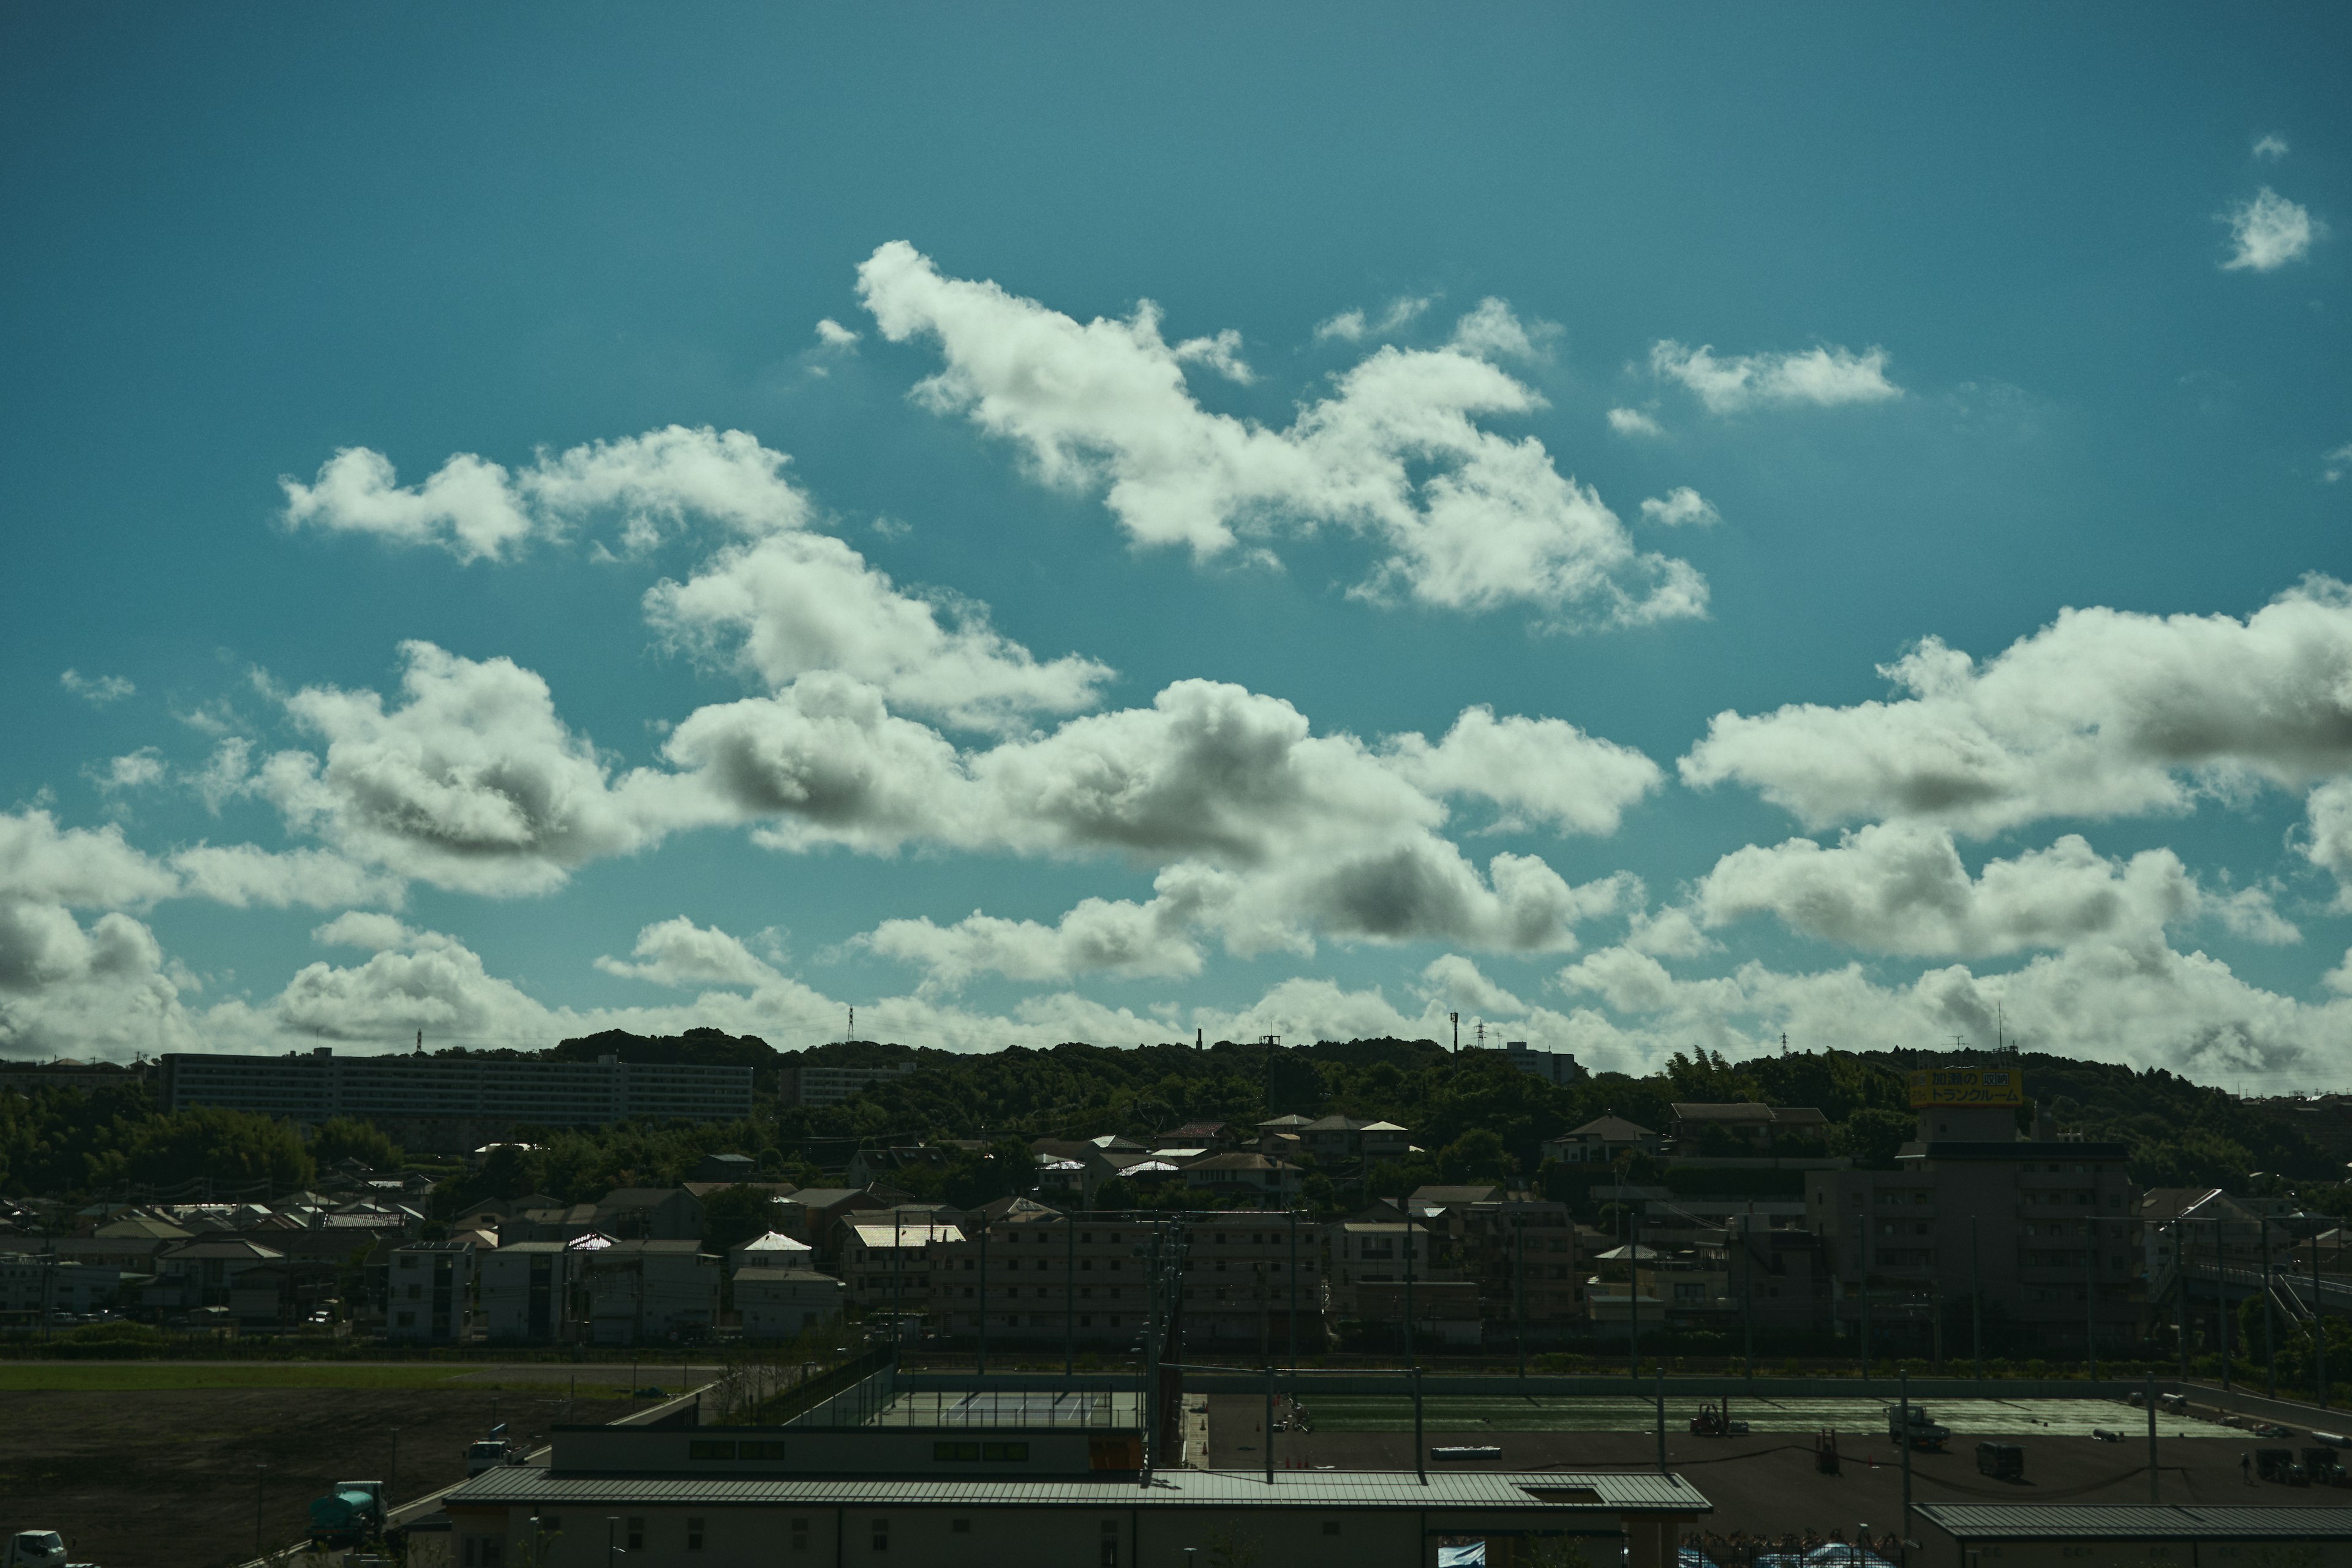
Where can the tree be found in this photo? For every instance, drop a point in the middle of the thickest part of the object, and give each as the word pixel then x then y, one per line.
pixel 350 1138
pixel 1476 1156
pixel 1872 1137
pixel 733 1216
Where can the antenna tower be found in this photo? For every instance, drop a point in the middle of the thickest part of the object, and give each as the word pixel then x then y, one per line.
pixel 1455 1019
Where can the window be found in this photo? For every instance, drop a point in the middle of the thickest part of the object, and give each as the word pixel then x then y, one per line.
pixel 800 1535
pixel 1013 1453
pixel 693 1534
pixel 955 1451
pixel 707 1450
pixel 1109 1543
pixel 771 1449
pixel 881 1535
pixel 637 1534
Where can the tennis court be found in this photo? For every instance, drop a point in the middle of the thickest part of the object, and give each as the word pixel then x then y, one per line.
pixel 1966 1417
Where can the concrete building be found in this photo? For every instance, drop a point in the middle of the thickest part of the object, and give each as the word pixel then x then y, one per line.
pixel 650 1214
pixel 781 1303
pixel 814 1085
pixel 1557 1067
pixel 450 1101
pixel 645 1292
pixel 431 1293
pixel 527 1292
pixel 35 1286
pixel 2045 1224
pixel 1376 1247
pixel 1244 1177
pixel 887 1258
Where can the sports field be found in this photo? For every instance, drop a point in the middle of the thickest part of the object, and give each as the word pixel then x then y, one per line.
pixel 1966 1417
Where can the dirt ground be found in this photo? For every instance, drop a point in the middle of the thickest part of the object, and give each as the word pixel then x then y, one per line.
pixel 135 1480
pixel 1766 1483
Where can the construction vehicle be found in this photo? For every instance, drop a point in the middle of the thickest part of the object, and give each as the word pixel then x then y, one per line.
pixel 349 1515
pixel 491 1452
pixel 1925 1433
pixel 34 1549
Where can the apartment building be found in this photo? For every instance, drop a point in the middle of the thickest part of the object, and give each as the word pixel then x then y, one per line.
pixel 647 1292
pixel 445 1095
pixel 1377 1248
pixel 430 1293
pixel 1520 1251
pixel 527 1292
pixel 2045 1225
pixel 887 1257
pixel 781 1304
pixel 815 1085
pixel 1553 1066
pixel 33 1286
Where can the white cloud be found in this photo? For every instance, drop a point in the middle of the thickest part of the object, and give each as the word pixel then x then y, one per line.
pixel 472 783
pixel 2338 461
pixel 2137 1003
pixel 83 868
pixel 1455 984
pixel 1542 769
pixel 1901 887
pixel 1633 422
pixel 98 690
pixel 2327 840
pixel 136 770
pixel 1222 353
pixel 2272 147
pixel 478 511
pixel 240 875
pixel 1354 326
pixel 2101 714
pixel 2268 231
pixel 794 603
pixel 833 335
pixel 1097 936
pixel 1492 332
pixel 676 952
pixel 1823 377
pixel 1466 519
pixel 225 774
pixel 1683 506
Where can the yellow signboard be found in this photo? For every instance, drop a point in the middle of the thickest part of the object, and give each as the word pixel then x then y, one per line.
pixel 1967 1085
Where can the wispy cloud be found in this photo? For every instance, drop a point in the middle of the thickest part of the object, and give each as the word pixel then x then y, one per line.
pixel 1354 326
pixel 95 689
pixel 833 335
pixel 1682 507
pixel 2273 146
pixel 2339 462
pixel 2270 231
pixel 1823 377
pixel 1633 422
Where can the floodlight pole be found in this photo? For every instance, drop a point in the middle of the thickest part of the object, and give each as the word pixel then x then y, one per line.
pixel 983 1295
pixel 2221 1300
pixel 1519 1281
pixel 2150 1396
pixel 2318 1319
pixel 1069 1294
pixel 1903 1535
pixel 1975 1299
pixel 2090 1296
pixel 1662 1414
pixel 2270 1328
pixel 2181 1295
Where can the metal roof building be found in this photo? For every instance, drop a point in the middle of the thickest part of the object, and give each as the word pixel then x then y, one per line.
pixel 2177 1535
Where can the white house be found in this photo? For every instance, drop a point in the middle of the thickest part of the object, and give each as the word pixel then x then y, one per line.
pixel 779 1303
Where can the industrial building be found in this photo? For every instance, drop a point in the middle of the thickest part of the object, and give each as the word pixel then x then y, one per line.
pixel 1021 1493
pixel 2207 1535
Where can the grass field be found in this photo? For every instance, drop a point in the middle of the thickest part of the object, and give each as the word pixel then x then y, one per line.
pixel 118 1377
pixel 1966 1417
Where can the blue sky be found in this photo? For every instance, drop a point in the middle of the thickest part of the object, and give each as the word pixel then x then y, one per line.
pixel 525 520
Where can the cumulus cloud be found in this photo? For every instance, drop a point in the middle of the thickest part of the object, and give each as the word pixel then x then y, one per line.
pixel 1467 519
pixel 2101 714
pixel 136 770
pixel 1633 422
pixel 1536 769
pixel 477 509
pixel 1902 888
pixel 1097 936
pixel 241 875
pixel 833 335
pixel 2268 231
pixel 2271 147
pixel 676 952
pixel 783 606
pixel 1820 377
pixel 1681 507
pixel 1455 984
pixel 471 781
pixel 2138 1003
pixel 98 690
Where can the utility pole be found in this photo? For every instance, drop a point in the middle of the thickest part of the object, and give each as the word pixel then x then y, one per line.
pixel 1748 1289
pixel 1975 1299
pixel 1455 1019
pixel 1293 1285
pixel 1662 1414
pixel 2270 1328
pixel 2149 1396
pixel 1903 1533
pixel 1069 1293
pixel 1519 1281
pixel 2221 1300
pixel 2180 1297
pixel 984 1296
pixel 2318 1319
pixel 1410 1358
pixel 2091 1296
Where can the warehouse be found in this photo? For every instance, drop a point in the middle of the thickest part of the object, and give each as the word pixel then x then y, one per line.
pixel 711 1497
pixel 2184 1535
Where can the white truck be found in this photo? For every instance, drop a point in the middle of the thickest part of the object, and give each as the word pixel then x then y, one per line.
pixel 34 1549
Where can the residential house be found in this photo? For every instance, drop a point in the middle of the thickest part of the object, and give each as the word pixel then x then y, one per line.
pixel 1744 1128
pixel 650 1214
pixel 527 1291
pixel 772 1250
pixel 1600 1141
pixel 201 1272
pixel 1244 1177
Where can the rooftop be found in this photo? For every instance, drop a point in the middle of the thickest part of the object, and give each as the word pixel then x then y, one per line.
pixel 2087 1522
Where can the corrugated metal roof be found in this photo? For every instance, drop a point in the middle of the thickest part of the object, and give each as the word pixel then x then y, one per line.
pixel 2181 1522
pixel 516 1484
